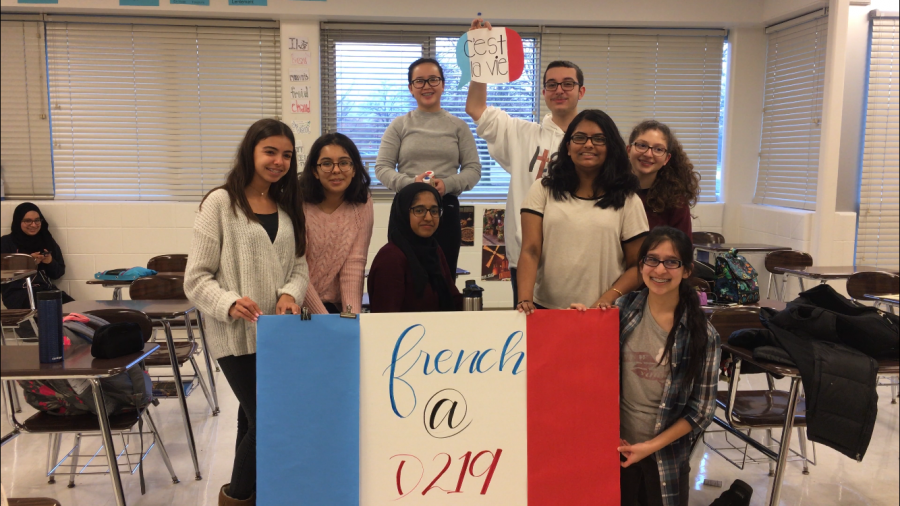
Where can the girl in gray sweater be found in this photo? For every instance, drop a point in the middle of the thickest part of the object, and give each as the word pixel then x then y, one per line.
pixel 247 259
pixel 429 138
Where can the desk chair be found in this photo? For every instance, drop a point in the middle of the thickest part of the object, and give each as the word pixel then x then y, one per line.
pixel 785 259
pixel 707 238
pixel 121 424
pixel 700 284
pixel 12 318
pixel 754 409
pixel 875 283
pixel 168 263
pixel 162 287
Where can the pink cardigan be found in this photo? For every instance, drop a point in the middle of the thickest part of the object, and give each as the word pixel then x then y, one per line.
pixel 337 245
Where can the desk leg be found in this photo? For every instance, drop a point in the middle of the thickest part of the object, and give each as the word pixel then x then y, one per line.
pixel 785 450
pixel 117 293
pixel 179 389
pixel 103 418
pixel 206 357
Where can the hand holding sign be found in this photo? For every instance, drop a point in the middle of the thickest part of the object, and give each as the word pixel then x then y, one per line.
pixel 490 55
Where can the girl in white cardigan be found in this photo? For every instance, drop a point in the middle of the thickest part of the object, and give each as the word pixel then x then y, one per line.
pixel 247 259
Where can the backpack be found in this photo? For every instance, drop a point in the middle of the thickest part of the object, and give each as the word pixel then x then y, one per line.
pixel 736 279
pixel 128 391
pixel 124 274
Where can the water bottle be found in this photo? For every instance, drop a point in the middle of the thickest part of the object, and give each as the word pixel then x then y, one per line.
pixel 472 296
pixel 50 326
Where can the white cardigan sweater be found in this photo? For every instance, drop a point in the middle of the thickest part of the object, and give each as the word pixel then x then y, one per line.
pixel 232 257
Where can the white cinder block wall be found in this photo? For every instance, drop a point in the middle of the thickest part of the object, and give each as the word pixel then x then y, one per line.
pixel 97 236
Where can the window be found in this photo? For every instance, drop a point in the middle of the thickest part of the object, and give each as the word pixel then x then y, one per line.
pixel 878 232
pixel 792 113
pixel 673 76
pixel 155 110
pixel 25 139
pixel 366 67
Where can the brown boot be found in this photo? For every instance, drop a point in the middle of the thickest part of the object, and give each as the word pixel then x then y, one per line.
pixel 226 500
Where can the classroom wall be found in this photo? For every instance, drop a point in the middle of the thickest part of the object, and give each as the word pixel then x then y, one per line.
pixel 164 227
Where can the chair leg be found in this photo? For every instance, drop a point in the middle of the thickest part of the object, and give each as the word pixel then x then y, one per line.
pixel 208 359
pixel 769 288
pixel 162 449
pixel 801 436
pixel 74 457
pixel 212 396
pixel 205 388
pixel 769 445
pixel 53 456
pixel 179 390
pixel 14 396
pixel 895 383
pixel 34 326
pixel 784 280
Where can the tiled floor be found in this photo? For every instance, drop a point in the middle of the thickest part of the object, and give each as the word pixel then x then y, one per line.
pixel 836 480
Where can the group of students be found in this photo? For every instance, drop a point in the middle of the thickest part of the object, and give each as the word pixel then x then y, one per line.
pixel 591 222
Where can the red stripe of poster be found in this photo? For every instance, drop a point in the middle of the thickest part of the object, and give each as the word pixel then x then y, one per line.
pixel 573 408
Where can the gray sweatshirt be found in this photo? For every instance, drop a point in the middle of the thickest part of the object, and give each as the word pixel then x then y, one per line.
pixel 420 141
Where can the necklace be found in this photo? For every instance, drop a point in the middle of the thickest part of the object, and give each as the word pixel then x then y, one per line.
pixel 256 191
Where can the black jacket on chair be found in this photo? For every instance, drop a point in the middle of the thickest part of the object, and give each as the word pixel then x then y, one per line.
pixel 834 344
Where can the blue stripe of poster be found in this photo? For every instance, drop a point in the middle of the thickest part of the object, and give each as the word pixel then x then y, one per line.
pixel 139 3
pixel 307 410
pixel 262 3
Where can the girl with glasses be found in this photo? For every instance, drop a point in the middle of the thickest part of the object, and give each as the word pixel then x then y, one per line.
pixel 30 234
pixel 337 205
pixel 669 373
pixel 429 138
pixel 582 224
pixel 669 184
pixel 410 273
pixel 246 260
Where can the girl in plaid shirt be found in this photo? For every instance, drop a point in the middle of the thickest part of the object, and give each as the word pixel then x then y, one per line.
pixel 669 373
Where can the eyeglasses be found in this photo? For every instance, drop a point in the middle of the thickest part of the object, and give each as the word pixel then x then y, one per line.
pixel 596 140
pixel 567 85
pixel 419 211
pixel 433 81
pixel 36 221
pixel 328 165
pixel 668 264
pixel 642 147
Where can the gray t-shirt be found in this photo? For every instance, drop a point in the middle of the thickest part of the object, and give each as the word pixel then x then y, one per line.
pixel 420 141
pixel 643 380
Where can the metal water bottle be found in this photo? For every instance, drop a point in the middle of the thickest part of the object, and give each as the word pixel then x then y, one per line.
pixel 472 296
pixel 50 326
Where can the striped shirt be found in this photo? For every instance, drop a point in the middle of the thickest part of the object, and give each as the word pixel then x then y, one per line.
pixel 696 404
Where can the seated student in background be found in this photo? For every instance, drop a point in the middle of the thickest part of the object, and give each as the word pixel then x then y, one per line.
pixel 429 138
pixel 669 367
pixel 30 235
pixel 582 225
pixel 334 187
pixel 410 273
pixel 246 260
pixel 669 184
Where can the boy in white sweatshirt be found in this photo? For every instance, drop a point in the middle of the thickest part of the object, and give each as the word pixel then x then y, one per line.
pixel 523 148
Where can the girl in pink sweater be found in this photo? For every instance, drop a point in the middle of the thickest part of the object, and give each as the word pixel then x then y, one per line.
pixel 334 187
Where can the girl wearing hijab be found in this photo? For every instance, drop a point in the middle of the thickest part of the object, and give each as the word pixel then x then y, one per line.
pixel 410 273
pixel 31 235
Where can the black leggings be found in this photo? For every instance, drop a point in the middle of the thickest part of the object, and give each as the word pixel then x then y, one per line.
pixel 449 232
pixel 240 372
pixel 639 483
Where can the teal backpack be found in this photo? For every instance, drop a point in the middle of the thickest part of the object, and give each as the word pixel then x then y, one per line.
pixel 736 279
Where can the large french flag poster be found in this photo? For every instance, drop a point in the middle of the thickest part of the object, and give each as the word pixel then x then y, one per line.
pixel 474 408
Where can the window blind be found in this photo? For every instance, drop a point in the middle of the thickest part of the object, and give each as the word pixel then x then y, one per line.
pixel 24 122
pixel 878 233
pixel 792 114
pixel 364 83
pixel 673 76
pixel 156 111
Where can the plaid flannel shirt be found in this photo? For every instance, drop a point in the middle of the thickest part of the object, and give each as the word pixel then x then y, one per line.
pixel 696 404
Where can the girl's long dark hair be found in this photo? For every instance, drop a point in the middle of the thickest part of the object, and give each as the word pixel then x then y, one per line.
pixel 676 183
pixel 311 188
pixel 688 302
pixel 615 179
pixel 285 192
